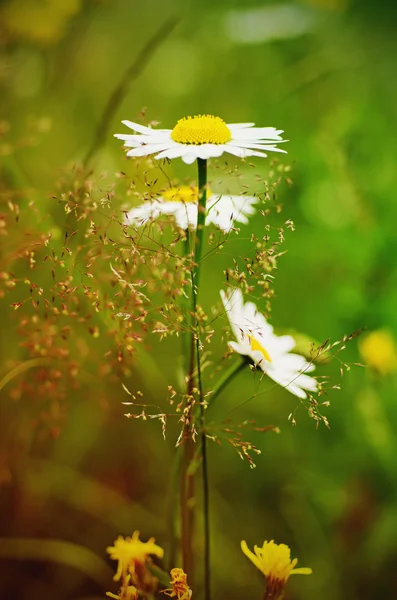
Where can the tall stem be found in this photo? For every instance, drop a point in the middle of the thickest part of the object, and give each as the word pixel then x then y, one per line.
pixel 187 481
pixel 226 378
pixel 202 185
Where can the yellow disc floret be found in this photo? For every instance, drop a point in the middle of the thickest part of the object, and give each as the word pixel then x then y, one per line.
pixel 255 345
pixel 183 193
pixel 201 129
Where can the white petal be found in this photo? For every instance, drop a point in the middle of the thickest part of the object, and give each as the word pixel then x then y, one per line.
pixel 239 348
pixel 268 145
pixel 306 382
pixel 189 158
pixel 143 129
pixel 233 304
pixel 145 149
pixel 287 384
pixel 286 343
pixel 141 214
pixel 295 362
pixel 258 133
pixel 224 211
pixel 141 151
pixel 186 216
pixel 233 126
pixel 133 141
pixel 237 151
pixel 210 150
pixel 243 152
pixel 171 152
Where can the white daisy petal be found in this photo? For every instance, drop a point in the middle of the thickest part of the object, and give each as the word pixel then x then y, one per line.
pixel 259 133
pixel 244 152
pixel 224 211
pixel 186 216
pixel 144 150
pixel 141 151
pixel 239 348
pixel 233 126
pixel 171 152
pixel 143 129
pixel 286 343
pixel 189 158
pixel 252 145
pixel 133 141
pixel 268 351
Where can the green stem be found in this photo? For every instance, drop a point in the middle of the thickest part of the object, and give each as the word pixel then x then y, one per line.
pixel 227 377
pixel 185 307
pixel 206 495
pixel 202 186
pixel 198 247
pixel 187 478
pixel 177 460
pixel 171 509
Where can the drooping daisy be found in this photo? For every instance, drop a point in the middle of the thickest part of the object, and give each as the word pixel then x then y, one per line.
pixel 270 352
pixel 274 561
pixel 182 203
pixel 202 136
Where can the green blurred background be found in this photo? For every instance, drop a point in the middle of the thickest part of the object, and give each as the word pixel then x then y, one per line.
pixel 72 468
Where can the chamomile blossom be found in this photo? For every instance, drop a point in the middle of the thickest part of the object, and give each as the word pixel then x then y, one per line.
pixel 202 136
pixel 270 352
pixel 182 203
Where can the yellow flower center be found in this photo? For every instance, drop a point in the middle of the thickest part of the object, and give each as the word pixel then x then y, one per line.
pixel 255 345
pixel 379 351
pixel 184 193
pixel 201 129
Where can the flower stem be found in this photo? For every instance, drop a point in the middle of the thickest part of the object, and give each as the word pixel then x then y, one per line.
pixel 202 186
pixel 227 377
pixel 187 477
pixel 171 508
pixel 198 246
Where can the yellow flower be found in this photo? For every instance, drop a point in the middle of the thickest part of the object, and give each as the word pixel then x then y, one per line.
pixel 39 22
pixel 128 592
pixel 180 588
pixel 133 556
pixel 274 561
pixel 379 351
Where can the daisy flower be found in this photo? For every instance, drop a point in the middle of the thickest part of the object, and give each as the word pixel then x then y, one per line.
pixel 202 136
pixel 182 203
pixel 274 561
pixel 270 352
